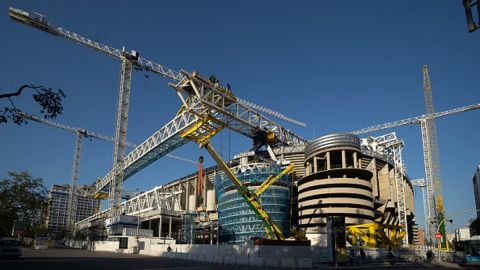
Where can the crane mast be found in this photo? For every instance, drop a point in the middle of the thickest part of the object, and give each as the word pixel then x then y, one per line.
pixel 72 196
pixel 121 134
pixel 432 160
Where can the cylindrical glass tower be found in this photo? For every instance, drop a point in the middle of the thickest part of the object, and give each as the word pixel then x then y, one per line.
pixel 237 220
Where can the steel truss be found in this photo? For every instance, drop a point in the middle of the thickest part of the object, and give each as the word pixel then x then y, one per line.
pixel 156 201
pixel 390 147
pixel 200 98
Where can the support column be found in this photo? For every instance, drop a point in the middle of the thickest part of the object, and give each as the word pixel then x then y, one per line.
pixel 315 165
pixel 375 186
pixel 355 160
pixel 187 195
pixel 308 169
pixel 160 226
pixel 329 165
pixel 211 232
pixel 170 227
pixel 344 160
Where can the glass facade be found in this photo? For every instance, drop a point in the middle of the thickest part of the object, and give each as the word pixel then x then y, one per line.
pixel 237 221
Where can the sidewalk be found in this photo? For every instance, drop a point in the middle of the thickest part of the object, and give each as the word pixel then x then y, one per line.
pixel 448 265
pixel 398 265
pixel 372 265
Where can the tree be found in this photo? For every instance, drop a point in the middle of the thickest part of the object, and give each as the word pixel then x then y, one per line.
pixel 24 199
pixel 49 100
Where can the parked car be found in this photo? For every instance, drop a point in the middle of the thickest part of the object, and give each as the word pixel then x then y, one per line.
pixel 10 247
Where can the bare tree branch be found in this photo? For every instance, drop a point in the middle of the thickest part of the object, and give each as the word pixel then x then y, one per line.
pixel 49 100
pixel 19 91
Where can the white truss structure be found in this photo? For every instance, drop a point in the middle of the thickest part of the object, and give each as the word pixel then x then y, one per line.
pixel 416 120
pixel 156 146
pixel 390 147
pixel 199 98
pixel 155 202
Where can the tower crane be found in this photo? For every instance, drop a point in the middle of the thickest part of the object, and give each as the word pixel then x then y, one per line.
pixel 129 60
pixel 432 161
pixel 81 133
pixel 430 151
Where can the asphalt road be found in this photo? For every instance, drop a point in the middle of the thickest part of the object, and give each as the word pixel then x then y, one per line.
pixel 73 259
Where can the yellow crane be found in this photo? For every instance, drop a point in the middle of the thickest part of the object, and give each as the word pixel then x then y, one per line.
pixel 201 133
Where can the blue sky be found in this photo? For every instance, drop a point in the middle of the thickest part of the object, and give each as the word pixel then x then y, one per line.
pixel 338 66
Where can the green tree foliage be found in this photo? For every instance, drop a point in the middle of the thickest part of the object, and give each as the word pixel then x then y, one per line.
pixel 475 227
pixel 24 199
pixel 49 100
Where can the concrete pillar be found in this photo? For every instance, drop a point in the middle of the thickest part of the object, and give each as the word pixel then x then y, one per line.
pixel 344 160
pixel 373 167
pixel 160 226
pixel 308 169
pixel 329 166
pixel 355 160
pixel 392 182
pixel 383 183
pixel 211 232
pixel 315 165
pixel 170 227
pixel 187 195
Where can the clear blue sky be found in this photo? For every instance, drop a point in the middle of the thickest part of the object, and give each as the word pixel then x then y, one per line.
pixel 338 66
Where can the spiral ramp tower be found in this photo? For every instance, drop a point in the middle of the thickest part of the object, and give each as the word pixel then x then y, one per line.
pixel 334 185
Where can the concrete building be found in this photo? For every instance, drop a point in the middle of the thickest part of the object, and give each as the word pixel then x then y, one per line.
pixel 476 190
pixel 462 234
pixel 56 220
pixel 343 178
pixel 334 185
pixel 334 174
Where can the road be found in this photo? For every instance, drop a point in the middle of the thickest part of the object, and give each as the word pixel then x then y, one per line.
pixel 73 259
